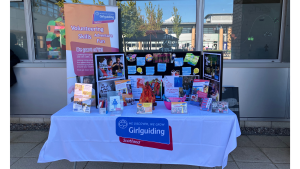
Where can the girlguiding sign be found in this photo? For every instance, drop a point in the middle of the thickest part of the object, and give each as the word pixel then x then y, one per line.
pixel 147 132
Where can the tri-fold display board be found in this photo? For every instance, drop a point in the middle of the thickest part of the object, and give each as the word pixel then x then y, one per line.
pixel 169 73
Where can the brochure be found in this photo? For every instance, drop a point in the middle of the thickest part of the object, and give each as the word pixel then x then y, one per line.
pixel 194 100
pixel 144 108
pixel 82 97
pixel 178 107
pixel 200 87
pixel 123 86
pixel 115 103
pixel 128 99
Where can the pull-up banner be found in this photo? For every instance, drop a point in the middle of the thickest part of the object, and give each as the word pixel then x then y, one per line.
pixel 89 29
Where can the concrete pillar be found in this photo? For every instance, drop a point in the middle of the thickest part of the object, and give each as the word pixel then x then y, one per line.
pixel 193 37
pixel 140 45
pixel 229 32
pixel 221 39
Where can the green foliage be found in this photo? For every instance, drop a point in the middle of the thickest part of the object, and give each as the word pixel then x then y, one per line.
pixel 176 20
pixel 60 3
pixel 153 18
pixel 131 20
pixel 99 2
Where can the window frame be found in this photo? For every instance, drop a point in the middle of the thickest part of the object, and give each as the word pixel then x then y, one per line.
pixel 200 7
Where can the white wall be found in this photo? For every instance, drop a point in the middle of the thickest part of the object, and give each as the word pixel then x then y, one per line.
pixel 263 91
pixel 38 91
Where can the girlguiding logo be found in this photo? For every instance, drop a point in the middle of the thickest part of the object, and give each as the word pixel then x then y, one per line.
pixel 103 17
pixel 146 132
pixel 123 124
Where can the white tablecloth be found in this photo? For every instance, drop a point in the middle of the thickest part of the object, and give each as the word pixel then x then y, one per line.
pixel 199 138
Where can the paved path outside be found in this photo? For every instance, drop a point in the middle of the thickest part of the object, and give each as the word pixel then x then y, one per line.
pixel 252 152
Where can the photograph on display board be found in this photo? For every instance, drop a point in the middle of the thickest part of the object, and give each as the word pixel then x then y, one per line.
pixel 214 90
pixel 104 87
pixel 187 85
pixel 138 82
pixel 109 66
pixel 212 66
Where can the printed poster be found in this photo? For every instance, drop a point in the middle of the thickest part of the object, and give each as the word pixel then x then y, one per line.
pixel 169 86
pixel 138 82
pixel 89 28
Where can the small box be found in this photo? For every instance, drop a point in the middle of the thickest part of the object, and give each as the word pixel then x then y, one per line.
pixel 178 107
pixel 102 106
pixel 220 107
pixel 144 108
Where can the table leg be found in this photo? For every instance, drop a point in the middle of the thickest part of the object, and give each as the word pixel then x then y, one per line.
pixel 75 165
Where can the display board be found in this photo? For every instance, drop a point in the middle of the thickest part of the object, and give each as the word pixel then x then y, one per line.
pixel 108 67
pixel 163 63
pixel 185 66
pixel 172 73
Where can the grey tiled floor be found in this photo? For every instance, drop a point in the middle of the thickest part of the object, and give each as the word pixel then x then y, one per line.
pixel 252 152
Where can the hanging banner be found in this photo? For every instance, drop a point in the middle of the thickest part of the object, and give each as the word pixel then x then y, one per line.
pixel 89 29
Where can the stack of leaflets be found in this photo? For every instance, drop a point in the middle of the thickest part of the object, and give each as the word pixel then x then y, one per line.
pixel 178 107
pixel 144 108
pixel 82 98
pixel 102 106
pixel 205 104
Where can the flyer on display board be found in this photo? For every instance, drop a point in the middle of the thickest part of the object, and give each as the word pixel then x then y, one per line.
pixel 89 28
pixel 169 86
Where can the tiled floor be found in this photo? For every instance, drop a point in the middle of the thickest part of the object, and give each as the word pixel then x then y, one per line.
pixel 252 152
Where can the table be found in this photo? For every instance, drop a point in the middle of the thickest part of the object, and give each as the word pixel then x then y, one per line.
pixel 199 138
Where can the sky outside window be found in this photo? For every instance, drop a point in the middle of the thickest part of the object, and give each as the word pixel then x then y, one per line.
pixel 187 8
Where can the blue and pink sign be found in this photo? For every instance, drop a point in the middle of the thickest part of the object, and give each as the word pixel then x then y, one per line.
pixel 146 132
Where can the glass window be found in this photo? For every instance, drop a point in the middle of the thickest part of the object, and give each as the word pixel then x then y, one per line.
pixel 105 2
pixel 50 5
pixel 14 4
pixel 18 40
pixel 55 13
pixel 50 12
pixel 173 25
pixel 44 3
pixel 247 29
pixel 55 7
pixel 44 10
pixel 49 31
